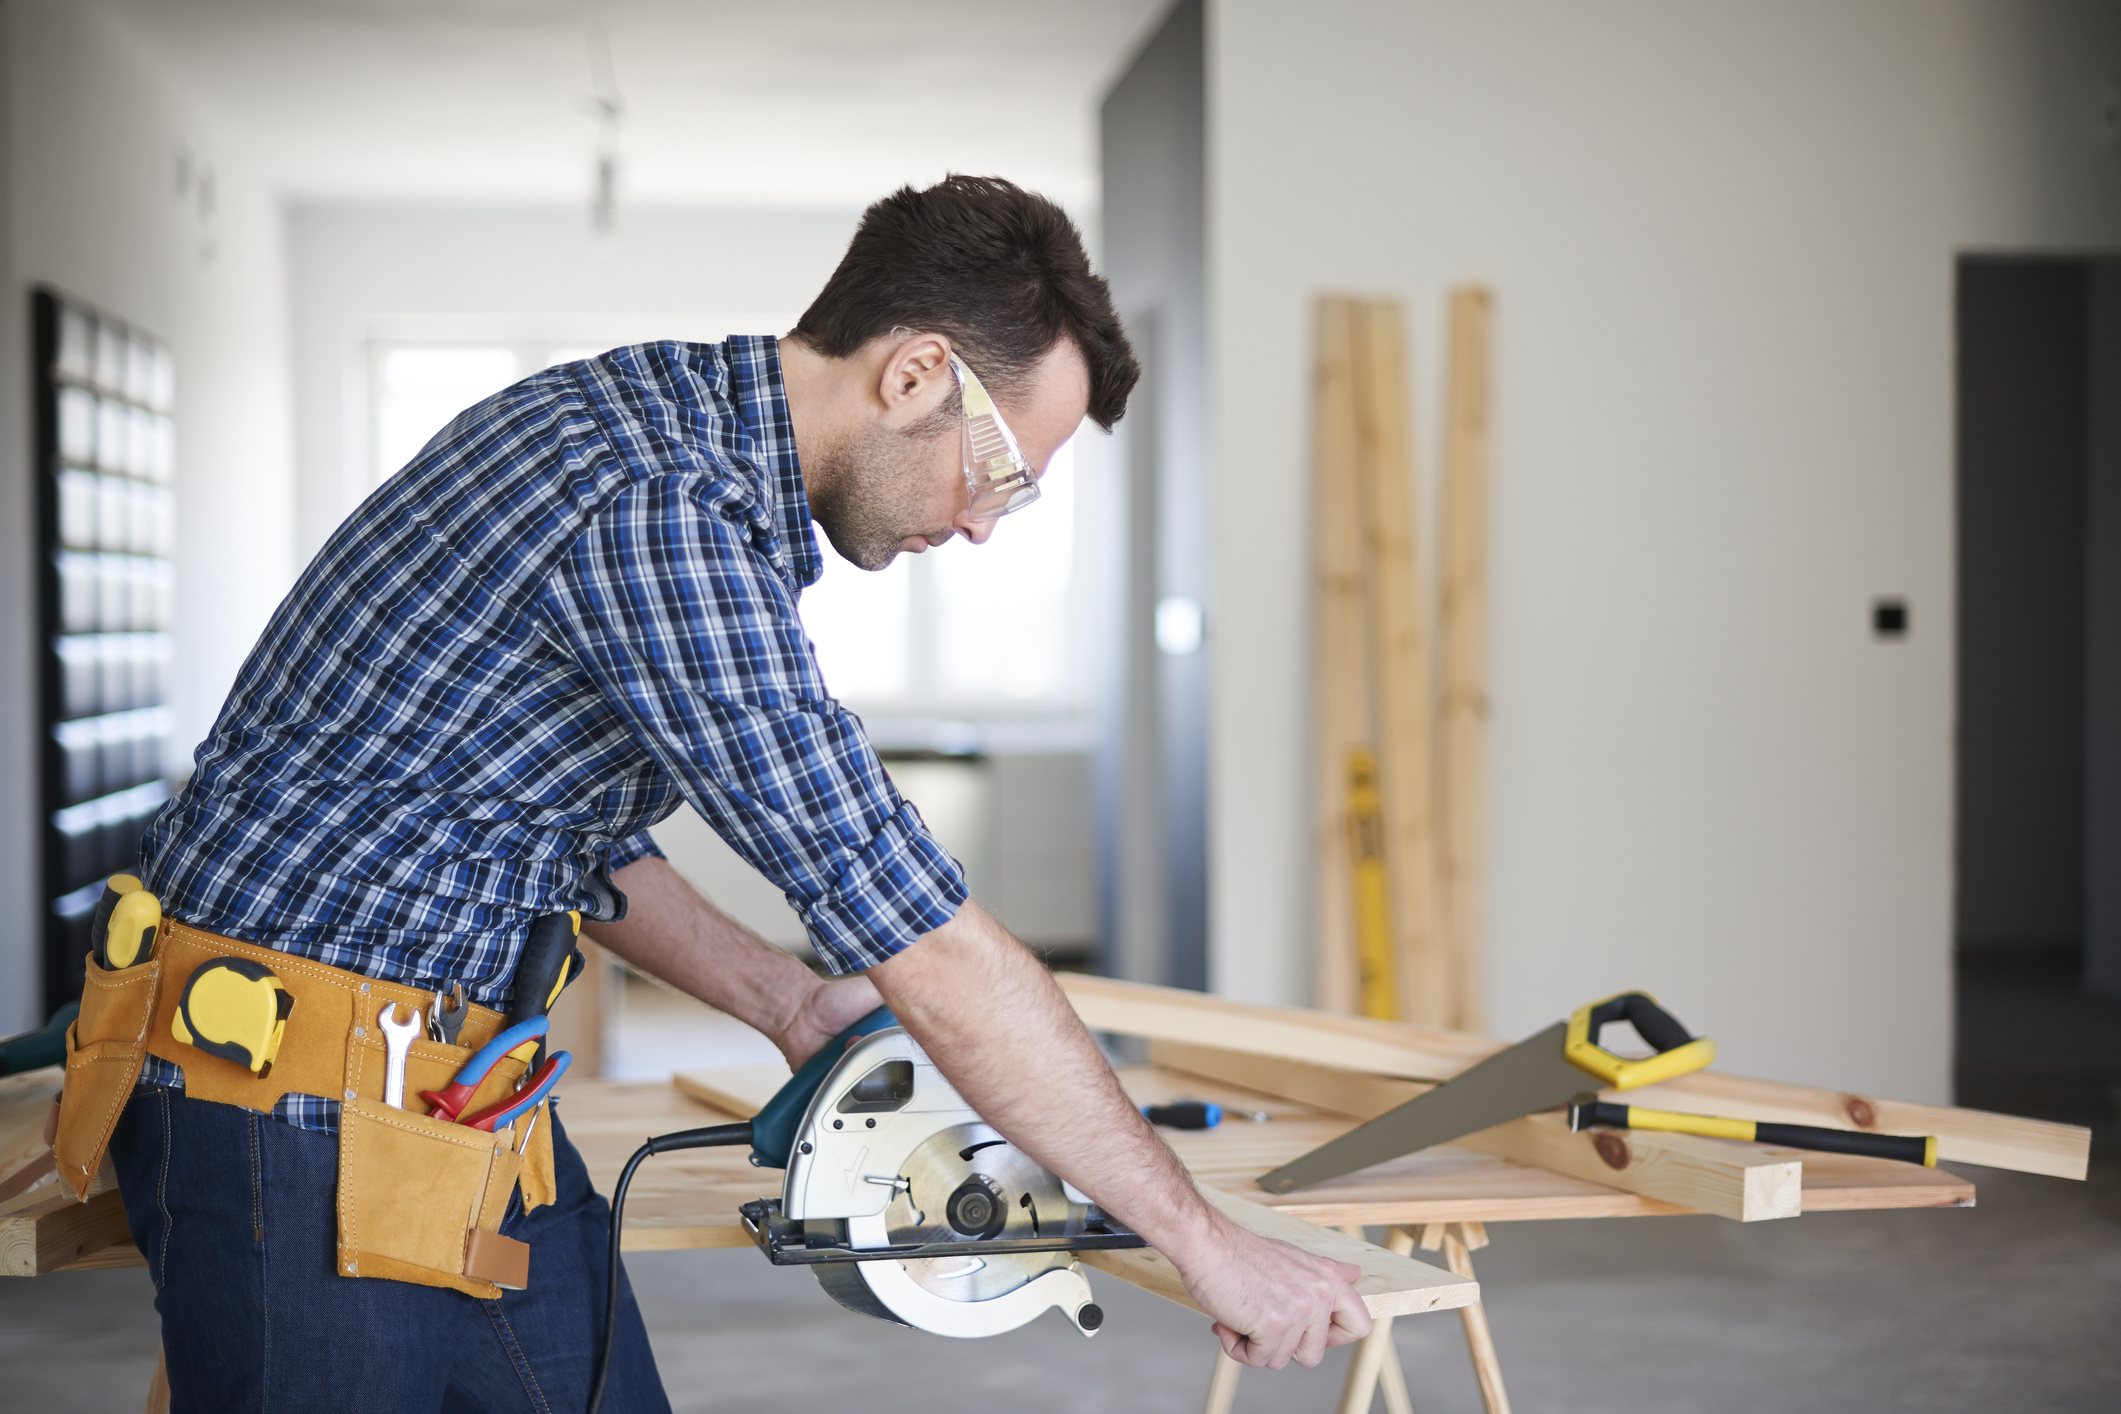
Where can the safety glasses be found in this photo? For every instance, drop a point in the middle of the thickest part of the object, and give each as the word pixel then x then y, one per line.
pixel 998 478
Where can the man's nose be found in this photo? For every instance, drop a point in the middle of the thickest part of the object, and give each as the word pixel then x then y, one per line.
pixel 976 531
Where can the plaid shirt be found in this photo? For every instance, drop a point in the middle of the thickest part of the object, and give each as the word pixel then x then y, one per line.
pixel 575 608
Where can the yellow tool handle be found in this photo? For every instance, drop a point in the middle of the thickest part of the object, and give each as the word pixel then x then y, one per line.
pixel 1678 1051
pixel 1588 1112
pixel 127 919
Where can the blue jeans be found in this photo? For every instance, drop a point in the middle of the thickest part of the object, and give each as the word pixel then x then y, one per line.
pixel 236 1215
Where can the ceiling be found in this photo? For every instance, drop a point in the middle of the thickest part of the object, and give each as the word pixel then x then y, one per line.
pixel 807 103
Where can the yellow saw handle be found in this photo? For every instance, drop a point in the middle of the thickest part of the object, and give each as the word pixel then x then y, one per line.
pixel 1678 1051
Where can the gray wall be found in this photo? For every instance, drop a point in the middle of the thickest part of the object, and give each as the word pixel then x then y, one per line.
pixel 2102 717
pixel 1153 773
pixel 2021 740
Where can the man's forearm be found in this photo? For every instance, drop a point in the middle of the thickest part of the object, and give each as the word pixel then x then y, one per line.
pixel 990 1016
pixel 670 931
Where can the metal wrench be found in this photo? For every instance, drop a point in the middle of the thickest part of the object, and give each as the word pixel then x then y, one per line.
pixel 398 1038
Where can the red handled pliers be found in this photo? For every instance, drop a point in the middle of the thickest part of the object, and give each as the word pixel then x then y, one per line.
pixel 448 1103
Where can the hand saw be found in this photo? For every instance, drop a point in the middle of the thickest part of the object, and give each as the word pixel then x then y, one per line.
pixel 1542 1072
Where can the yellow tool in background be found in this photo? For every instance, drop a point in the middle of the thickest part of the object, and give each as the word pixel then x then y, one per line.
pixel 127 919
pixel 1373 903
pixel 235 1009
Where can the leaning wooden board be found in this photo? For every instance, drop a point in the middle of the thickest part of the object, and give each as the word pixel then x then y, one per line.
pixel 1407 1051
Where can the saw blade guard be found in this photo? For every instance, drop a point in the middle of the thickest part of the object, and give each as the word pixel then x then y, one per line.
pixel 889 1153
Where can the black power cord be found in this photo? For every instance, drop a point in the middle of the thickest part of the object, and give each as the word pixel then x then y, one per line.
pixel 714 1136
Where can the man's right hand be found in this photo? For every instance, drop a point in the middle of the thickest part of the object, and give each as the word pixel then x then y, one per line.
pixel 1271 1303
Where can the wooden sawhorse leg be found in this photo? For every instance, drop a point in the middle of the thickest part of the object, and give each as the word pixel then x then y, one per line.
pixel 1458 1242
pixel 1375 1366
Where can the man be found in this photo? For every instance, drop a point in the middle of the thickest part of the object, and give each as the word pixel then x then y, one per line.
pixel 574 609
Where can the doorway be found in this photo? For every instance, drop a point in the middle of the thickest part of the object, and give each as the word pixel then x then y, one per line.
pixel 2037 832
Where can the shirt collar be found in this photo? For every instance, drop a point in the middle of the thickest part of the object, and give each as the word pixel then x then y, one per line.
pixel 761 402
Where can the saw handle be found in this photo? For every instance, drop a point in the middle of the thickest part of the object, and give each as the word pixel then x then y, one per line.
pixel 1587 1111
pixel 1679 1052
pixel 774 1126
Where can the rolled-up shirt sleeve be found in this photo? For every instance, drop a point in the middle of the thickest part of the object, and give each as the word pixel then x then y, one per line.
pixel 693 638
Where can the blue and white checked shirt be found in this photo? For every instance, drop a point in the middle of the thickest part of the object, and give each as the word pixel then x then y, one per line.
pixel 575 608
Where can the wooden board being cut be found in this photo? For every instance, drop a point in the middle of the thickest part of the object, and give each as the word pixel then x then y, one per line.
pixel 1406 1051
pixel 1390 1284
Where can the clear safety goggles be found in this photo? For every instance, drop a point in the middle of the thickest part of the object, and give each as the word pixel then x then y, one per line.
pixel 998 477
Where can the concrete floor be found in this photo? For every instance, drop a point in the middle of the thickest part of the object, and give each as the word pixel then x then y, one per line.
pixel 2013 1305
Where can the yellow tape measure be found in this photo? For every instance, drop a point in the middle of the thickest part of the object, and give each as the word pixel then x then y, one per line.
pixel 235 1009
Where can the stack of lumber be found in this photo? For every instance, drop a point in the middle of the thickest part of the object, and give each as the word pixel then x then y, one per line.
pixel 1398 746
pixel 1357 1068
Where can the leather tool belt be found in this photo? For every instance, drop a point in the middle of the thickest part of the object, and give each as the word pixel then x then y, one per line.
pixel 419 1200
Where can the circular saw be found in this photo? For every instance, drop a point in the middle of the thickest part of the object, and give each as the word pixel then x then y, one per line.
pixel 910 1208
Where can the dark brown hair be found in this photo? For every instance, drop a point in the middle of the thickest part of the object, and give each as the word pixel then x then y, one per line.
pixel 997 270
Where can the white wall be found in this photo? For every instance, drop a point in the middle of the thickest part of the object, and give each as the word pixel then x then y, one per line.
pixel 360 271
pixel 92 133
pixel 1722 241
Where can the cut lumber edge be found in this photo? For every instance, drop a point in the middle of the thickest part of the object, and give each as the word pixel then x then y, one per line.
pixel 1735 1181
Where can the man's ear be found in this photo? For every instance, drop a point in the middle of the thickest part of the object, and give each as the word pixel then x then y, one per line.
pixel 915 374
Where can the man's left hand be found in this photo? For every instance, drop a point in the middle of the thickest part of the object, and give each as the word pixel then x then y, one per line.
pixel 828 1009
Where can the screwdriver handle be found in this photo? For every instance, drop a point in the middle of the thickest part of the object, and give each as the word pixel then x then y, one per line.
pixel 1184 1114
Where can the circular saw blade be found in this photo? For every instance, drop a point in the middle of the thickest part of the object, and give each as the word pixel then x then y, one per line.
pixel 1034 1204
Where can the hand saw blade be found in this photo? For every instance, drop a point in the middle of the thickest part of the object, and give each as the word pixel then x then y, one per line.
pixel 1532 1075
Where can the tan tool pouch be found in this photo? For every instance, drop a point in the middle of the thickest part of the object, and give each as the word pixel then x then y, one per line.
pixel 419 1200
pixel 105 1048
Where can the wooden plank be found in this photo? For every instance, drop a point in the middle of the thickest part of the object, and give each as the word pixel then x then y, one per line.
pixel 1399 641
pixel 1453 1183
pixel 1405 1051
pixel 1341 711
pixel 1462 620
pixel 56 1231
pixel 1742 1182
pixel 1963 1136
pixel 1390 1285
pixel 1344 1042
pixel 738 1089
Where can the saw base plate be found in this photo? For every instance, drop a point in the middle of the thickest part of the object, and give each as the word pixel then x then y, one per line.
pixel 788 1243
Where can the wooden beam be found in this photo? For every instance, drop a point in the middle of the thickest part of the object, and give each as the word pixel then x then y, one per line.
pixel 1344 1042
pixel 1403 1051
pixel 1399 644
pixel 1743 1182
pixel 1963 1136
pixel 1390 1285
pixel 1341 665
pixel 56 1231
pixel 1463 633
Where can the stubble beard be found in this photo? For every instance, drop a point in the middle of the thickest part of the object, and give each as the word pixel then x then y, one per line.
pixel 877 505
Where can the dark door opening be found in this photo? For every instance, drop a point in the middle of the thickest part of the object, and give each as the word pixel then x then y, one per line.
pixel 2038 753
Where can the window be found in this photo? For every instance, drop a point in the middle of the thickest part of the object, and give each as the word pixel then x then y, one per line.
pixel 963 633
